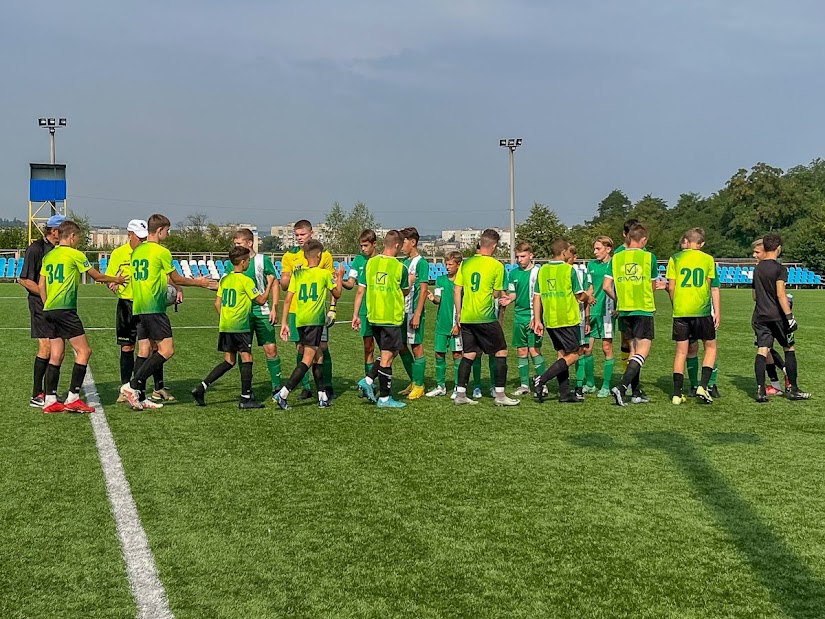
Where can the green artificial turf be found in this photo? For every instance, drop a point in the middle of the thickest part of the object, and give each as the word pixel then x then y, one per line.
pixel 431 511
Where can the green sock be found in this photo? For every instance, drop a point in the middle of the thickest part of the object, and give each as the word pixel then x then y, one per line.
pixel 419 367
pixel 693 371
pixel 524 370
pixel 579 372
pixel 608 373
pixel 441 370
pixel 538 365
pixel 491 363
pixel 477 372
pixel 274 367
pixel 326 364
pixel 713 374
pixel 407 360
pixel 305 380
pixel 589 370
pixel 456 363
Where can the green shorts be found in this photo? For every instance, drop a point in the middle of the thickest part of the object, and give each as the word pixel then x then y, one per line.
pixel 413 336
pixel 523 336
pixel 602 327
pixel 262 329
pixel 448 343
pixel 366 327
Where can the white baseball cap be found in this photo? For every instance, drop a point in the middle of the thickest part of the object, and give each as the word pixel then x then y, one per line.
pixel 139 227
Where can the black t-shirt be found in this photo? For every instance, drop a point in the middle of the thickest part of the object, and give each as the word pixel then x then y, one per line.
pixel 33 260
pixel 765 276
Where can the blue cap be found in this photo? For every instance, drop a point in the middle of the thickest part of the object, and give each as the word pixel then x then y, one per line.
pixel 55 220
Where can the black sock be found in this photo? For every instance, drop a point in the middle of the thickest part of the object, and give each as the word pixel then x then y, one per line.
pixel 759 370
pixel 246 379
pixel 678 383
pixel 157 376
pixel 501 372
pixel 296 376
pixel 318 376
pixel 373 373
pixel 777 359
pixel 770 368
pixel 219 370
pixel 554 370
pixel 634 383
pixel 385 381
pixel 139 361
pixel 127 366
pixel 40 366
pixel 51 379
pixel 78 374
pixel 564 381
pixel 631 375
pixel 464 369
pixel 147 369
pixel 706 372
pixel 790 367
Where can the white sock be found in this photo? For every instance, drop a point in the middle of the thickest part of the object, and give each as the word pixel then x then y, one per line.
pixel 50 399
pixel 284 393
pixel 368 380
pixel 384 399
pixel 460 389
pixel 775 384
pixel 499 389
pixel 71 397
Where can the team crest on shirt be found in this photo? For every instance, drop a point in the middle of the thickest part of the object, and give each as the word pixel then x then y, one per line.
pixel 381 278
pixel 631 272
pixel 551 284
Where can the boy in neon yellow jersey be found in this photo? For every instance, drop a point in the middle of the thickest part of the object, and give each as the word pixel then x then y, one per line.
pixel 602 317
pixel 237 293
pixel 447 336
pixel 312 287
pixel 384 284
pixel 584 325
pixel 556 299
pixel 694 291
pixel 367 241
pixel 414 306
pixel 631 281
pixel 59 278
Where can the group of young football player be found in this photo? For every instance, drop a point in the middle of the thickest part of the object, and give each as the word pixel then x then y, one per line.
pixel 557 301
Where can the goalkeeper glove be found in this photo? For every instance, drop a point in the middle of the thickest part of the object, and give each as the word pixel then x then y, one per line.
pixel 331 316
pixel 792 324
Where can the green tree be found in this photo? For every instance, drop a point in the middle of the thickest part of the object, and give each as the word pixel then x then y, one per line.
pixel 85 230
pixel 343 228
pixel 540 229
pixel 271 245
pixel 615 207
pixel 13 238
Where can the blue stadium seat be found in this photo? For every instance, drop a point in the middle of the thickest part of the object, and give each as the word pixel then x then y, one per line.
pixel 176 264
pixel 433 271
pixel 104 262
pixel 509 267
pixel 218 265
pixel 19 268
pixel 441 268
pixel 2 267
pixel 793 277
pixel 11 264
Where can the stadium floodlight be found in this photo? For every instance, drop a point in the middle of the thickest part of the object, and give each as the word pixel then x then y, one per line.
pixel 511 144
pixel 52 124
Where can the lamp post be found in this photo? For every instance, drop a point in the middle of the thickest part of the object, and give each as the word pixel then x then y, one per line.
pixel 511 144
pixel 52 124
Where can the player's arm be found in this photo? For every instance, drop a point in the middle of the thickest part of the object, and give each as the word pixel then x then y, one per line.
pixel 218 304
pixel 607 286
pixel 671 288
pixel 458 292
pixel 339 282
pixel 29 280
pixel 716 298
pixel 535 325
pixel 356 307
pixel 29 285
pixel 435 295
pixel 786 307
pixel 41 288
pixel 171 282
pixel 351 280
pixel 100 278
pixel 202 282
pixel 285 315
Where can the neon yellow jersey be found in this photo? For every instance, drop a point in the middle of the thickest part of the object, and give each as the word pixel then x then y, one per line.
pixel 633 272
pixel 309 286
pixel 151 264
pixel 62 267
pixel 694 273
pixel 294 260
pixel 557 284
pixel 385 279
pixel 236 292
pixel 120 263
pixel 479 276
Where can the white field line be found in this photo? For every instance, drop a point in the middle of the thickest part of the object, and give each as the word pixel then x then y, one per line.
pixel 144 582
pixel 174 328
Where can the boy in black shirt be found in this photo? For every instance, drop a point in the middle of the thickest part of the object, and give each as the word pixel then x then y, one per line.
pixel 773 319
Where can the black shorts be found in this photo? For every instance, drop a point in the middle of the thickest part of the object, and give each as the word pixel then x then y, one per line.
pixel 484 337
pixel 311 335
pixel 389 338
pixel 638 327
pixel 234 342
pixel 153 327
pixel 65 323
pixel 771 331
pixel 126 323
pixel 693 328
pixel 566 339
pixel 40 327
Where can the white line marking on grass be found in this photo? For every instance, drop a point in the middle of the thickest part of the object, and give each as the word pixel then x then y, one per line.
pixel 148 591
pixel 175 328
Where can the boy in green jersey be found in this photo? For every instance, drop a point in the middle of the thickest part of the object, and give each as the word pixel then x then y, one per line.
pixel 151 270
pixel 367 241
pixel 415 362
pixel 631 282
pixel 602 317
pixel 384 284
pixel 59 278
pixel 521 282
pixel 694 291
pixel 447 336
pixel 312 286
pixel 556 299
pixel 262 321
pixel 237 293
pixel 478 284
pixel 584 325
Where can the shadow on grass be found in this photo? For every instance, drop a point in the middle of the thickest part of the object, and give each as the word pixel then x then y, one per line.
pixel 745 384
pixel 791 583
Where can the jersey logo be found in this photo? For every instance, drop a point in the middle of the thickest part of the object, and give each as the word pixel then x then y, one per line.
pixel 551 285
pixel 380 278
pixel 631 269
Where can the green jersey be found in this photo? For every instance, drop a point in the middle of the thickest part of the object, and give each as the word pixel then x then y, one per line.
pixel 421 268
pixel 633 272
pixel 445 320
pixel 260 268
pixel 310 285
pixel 120 262
pixel 385 279
pixel 558 284
pixel 522 283
pixel 356 270
pixel 236 292
pixel 596 270
pixel 151 264
pixel 479 276
pixel 694 273
pixel 62 267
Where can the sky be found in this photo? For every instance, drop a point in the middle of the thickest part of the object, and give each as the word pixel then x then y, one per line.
pixel 267 111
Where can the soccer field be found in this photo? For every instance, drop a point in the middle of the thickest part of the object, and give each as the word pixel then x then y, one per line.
pixel 585 510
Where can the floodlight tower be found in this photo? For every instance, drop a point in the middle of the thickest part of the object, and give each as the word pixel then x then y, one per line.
pixel 512 144
pixel 47 183
pixel 52 124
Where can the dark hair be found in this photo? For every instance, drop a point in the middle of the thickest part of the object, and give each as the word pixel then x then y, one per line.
pixel 637 232
pixel 410 233
pixel 238 254
pixel 156 222
pixel 367 236
pixel 489 238
pixel 771 241
pixel 392 237
pixel 245 234
pixel 629 224
pixel 302 224
pixel 313 247
pixel 67 228
pixel 558 246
